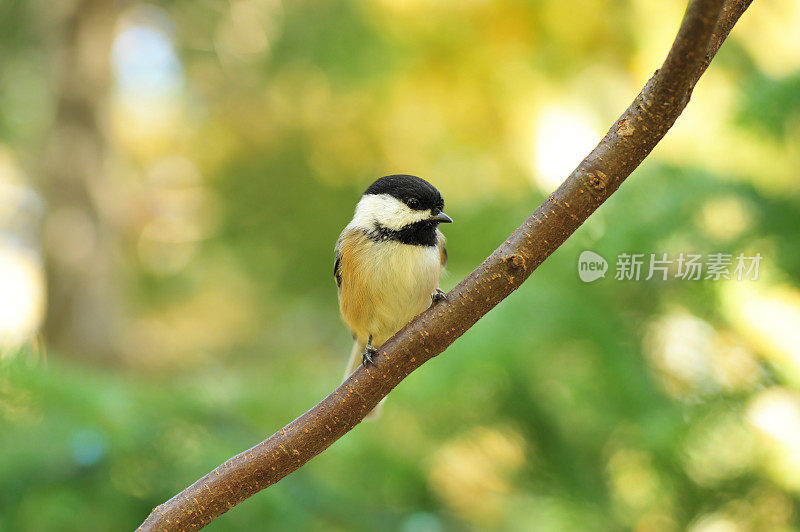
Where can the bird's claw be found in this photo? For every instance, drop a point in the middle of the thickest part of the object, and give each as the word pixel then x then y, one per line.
pixel 437 296
pixel 366 356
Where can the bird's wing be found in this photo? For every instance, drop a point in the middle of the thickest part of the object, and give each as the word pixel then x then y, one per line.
pixel 337 263
pixel 440 243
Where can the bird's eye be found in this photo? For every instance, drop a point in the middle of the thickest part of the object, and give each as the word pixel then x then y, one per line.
pixel 412 203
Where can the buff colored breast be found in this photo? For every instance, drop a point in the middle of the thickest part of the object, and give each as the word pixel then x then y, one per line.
pixel 385 284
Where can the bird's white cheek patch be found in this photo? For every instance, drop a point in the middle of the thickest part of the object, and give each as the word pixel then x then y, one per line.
pixel 386 210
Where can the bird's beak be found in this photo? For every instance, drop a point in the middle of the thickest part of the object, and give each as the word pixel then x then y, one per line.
pixel 442 218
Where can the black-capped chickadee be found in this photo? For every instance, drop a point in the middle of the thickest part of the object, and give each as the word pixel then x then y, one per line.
pixel 388 261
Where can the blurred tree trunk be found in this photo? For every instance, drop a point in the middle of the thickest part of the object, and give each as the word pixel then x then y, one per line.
pixel 78 245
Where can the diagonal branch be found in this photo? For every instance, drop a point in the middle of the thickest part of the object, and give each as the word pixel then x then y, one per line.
pixel 705 26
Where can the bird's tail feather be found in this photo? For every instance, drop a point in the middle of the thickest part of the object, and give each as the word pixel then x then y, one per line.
pixel 352 364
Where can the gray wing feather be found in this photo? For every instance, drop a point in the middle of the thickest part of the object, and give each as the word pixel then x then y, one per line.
pixel 337 263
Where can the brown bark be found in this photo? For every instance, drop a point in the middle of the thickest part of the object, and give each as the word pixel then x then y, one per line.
pixel 704 28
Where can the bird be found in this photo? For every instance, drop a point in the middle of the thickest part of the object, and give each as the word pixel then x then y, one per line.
pixel 388 261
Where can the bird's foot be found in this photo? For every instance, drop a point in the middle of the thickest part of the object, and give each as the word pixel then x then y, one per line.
pixel 366 356
pixel 437 296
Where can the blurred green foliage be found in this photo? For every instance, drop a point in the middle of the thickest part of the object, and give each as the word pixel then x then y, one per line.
pixel 237 152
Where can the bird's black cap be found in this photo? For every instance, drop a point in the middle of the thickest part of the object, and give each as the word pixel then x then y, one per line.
pixel 411 190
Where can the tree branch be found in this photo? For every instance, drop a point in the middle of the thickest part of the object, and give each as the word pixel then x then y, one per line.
pixel 705 26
